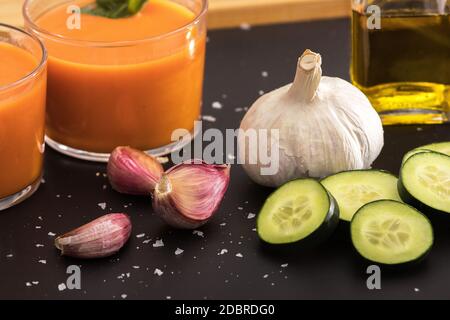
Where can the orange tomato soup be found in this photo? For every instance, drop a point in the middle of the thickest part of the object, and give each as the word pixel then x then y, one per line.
pixel 22 112
pixel 135 90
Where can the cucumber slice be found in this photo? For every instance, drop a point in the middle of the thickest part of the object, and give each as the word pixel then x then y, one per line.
pixel 391 233
pixel 425 182
pixel 297 210
pixel 353 189
pixel 441 147
pixel 409 154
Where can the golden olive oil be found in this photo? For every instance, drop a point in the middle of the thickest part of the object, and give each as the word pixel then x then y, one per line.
pixel 404 67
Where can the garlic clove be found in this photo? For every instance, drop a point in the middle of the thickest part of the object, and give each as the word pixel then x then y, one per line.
pixel 190 193
pixel 133 172
pixel 97 239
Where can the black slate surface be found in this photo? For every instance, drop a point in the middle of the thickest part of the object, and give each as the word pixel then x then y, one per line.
pixel 74 192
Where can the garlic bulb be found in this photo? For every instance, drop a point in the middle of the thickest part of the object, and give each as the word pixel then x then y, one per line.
pixel 325 124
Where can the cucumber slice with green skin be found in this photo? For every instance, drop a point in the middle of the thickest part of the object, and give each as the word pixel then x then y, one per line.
pixel 409 154
pixel 391 233
pixel 441 147
pixel 299 210
pixel 425 182
pixel 353 189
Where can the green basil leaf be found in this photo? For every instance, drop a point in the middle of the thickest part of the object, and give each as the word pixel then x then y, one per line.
pixel 135 5
pixel 114 9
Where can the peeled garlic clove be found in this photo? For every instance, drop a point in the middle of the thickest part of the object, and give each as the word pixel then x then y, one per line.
pixel 190 193
pixel 133 172
pixel 99 238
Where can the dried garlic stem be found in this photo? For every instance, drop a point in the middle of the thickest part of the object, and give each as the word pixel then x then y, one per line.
pixel 307 78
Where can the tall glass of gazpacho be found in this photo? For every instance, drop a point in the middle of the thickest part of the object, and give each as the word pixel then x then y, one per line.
pixel 23 64
pixel 120 81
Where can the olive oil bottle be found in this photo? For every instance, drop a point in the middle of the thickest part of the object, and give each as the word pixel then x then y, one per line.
pixel 404 65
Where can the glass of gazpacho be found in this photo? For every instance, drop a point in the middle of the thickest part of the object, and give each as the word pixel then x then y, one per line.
pixel 23 64
pixel 120 81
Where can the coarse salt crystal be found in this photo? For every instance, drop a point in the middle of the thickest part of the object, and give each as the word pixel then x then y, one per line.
pixel 102 205
pixel 198 233
pixel 239 255
pixel 216 105
pixel 141 235
pixel 158 272
pixel 251 216
pixel 209 118
pixel 158 243
pixel 61 287
pixel 178 251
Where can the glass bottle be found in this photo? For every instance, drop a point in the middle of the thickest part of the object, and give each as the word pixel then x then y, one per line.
pixel 401 58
